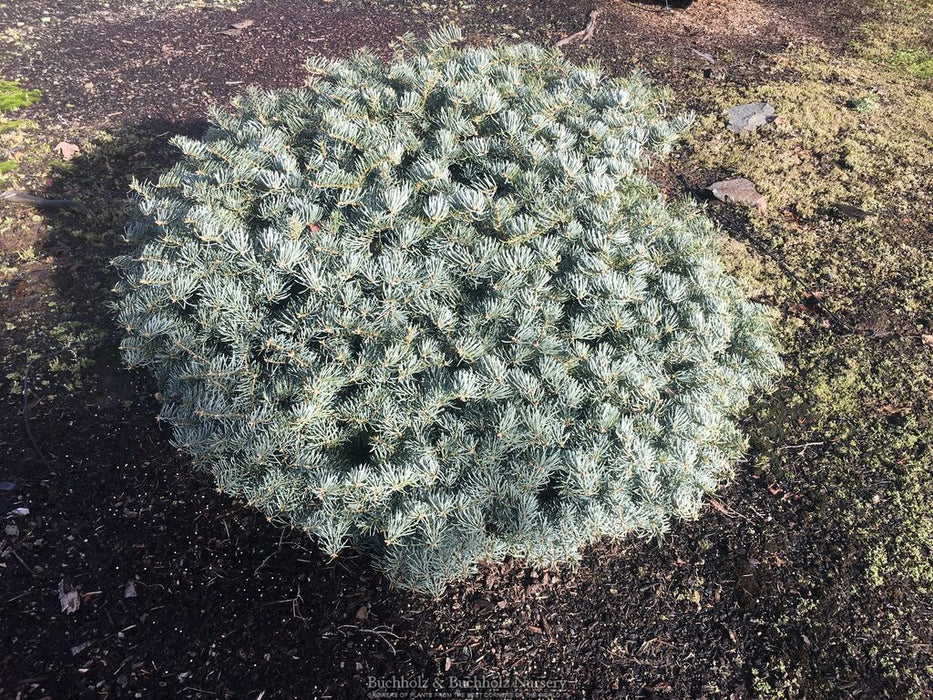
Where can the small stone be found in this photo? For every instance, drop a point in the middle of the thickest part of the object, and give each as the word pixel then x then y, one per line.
pixel 739 191
pixel 748 117
pixel 11 531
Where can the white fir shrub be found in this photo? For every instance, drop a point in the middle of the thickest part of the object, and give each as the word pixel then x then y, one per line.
pixel 433 309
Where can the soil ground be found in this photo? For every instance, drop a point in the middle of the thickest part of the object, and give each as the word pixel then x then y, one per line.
pixel 809 576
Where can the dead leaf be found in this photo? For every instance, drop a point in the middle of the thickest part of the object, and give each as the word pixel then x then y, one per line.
pixel 129 590
pixel 19 511
pixel 68 150
pixel 811 298
pixel 243 24
pixel 739 191
pixel 68 597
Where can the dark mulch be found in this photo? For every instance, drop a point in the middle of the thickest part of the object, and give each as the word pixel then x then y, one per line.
pixel 226 604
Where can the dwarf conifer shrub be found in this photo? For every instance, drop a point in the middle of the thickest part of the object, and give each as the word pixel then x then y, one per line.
pixel 433 309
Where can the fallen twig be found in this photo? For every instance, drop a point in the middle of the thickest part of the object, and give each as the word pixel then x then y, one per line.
pixel 728 512
pixel 20 560
pixel 802 446
pixel 584 34
pixel 21 197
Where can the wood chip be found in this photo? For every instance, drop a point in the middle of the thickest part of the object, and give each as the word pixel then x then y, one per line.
pixel 237 28
pixel 68 597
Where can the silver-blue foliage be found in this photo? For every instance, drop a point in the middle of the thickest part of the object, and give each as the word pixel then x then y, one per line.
pixel 433 309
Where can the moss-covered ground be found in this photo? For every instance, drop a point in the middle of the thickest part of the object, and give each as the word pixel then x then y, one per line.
pixel 12 131
pixel 848 436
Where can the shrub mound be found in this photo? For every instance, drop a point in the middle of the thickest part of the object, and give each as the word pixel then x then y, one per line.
pixel 433 309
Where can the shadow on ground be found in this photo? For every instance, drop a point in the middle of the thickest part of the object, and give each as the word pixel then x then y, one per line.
pixel 179 586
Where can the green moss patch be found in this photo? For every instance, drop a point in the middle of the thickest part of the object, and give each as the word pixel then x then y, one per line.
pixel 899 37
pixel 849 440
pixel 917 62
pixel 12 96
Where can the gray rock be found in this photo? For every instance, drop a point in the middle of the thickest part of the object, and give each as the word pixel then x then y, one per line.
pixel 739 191
pixel 748 117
